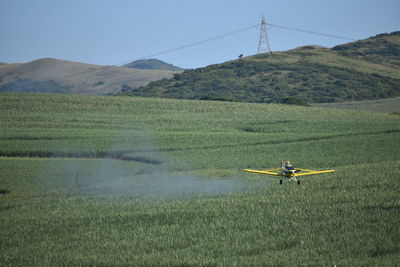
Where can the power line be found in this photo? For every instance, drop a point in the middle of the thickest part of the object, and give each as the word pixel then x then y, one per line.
pixel 263 28
pixel 234 32
pixel 311 32
pixel 196 43
pixel 263 43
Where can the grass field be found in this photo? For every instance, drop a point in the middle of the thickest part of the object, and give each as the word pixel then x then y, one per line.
pixel 114 181
pixel 390 105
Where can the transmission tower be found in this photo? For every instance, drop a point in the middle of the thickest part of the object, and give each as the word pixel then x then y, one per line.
pixel 263 44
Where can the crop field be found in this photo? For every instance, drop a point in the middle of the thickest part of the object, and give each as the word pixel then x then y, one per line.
pixel 390 105
pixel 121 181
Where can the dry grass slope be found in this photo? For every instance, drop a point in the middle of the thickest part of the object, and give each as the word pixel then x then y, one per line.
pixel 78 78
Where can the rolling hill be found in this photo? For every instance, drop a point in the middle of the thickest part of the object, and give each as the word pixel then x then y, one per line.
pixel 382 49
pixel 152 64
pixel 362 70
pixel 59 76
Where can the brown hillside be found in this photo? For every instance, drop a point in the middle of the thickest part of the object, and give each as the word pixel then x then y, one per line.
pixel 73 77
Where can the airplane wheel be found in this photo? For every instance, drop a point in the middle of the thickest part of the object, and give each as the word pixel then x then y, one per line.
pixel 298 181
pixel 281 181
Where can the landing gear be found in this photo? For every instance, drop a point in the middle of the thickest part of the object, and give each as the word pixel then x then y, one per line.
pixel 291 179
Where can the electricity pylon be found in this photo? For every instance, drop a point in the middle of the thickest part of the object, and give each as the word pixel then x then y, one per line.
pixel 263 44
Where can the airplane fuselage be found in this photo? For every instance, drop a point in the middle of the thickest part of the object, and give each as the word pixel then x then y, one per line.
pixel 288 174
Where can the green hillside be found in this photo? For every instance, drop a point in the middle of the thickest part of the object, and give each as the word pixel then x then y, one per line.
pixel 126 181
pixel 382 49
pixel 152 64
pixel 309 73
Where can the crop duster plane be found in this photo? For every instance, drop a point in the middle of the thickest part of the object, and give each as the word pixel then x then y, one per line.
pixel 288 171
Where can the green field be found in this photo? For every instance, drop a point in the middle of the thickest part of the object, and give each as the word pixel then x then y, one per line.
pixel 390 105
pixel 118 181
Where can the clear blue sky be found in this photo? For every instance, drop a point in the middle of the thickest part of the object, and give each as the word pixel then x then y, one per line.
pixel 110 32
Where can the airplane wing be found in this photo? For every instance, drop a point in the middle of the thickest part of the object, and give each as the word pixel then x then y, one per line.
pixel 310 172
pixel 269 171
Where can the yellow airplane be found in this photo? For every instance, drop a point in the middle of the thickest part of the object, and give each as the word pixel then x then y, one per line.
pixel 288 171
